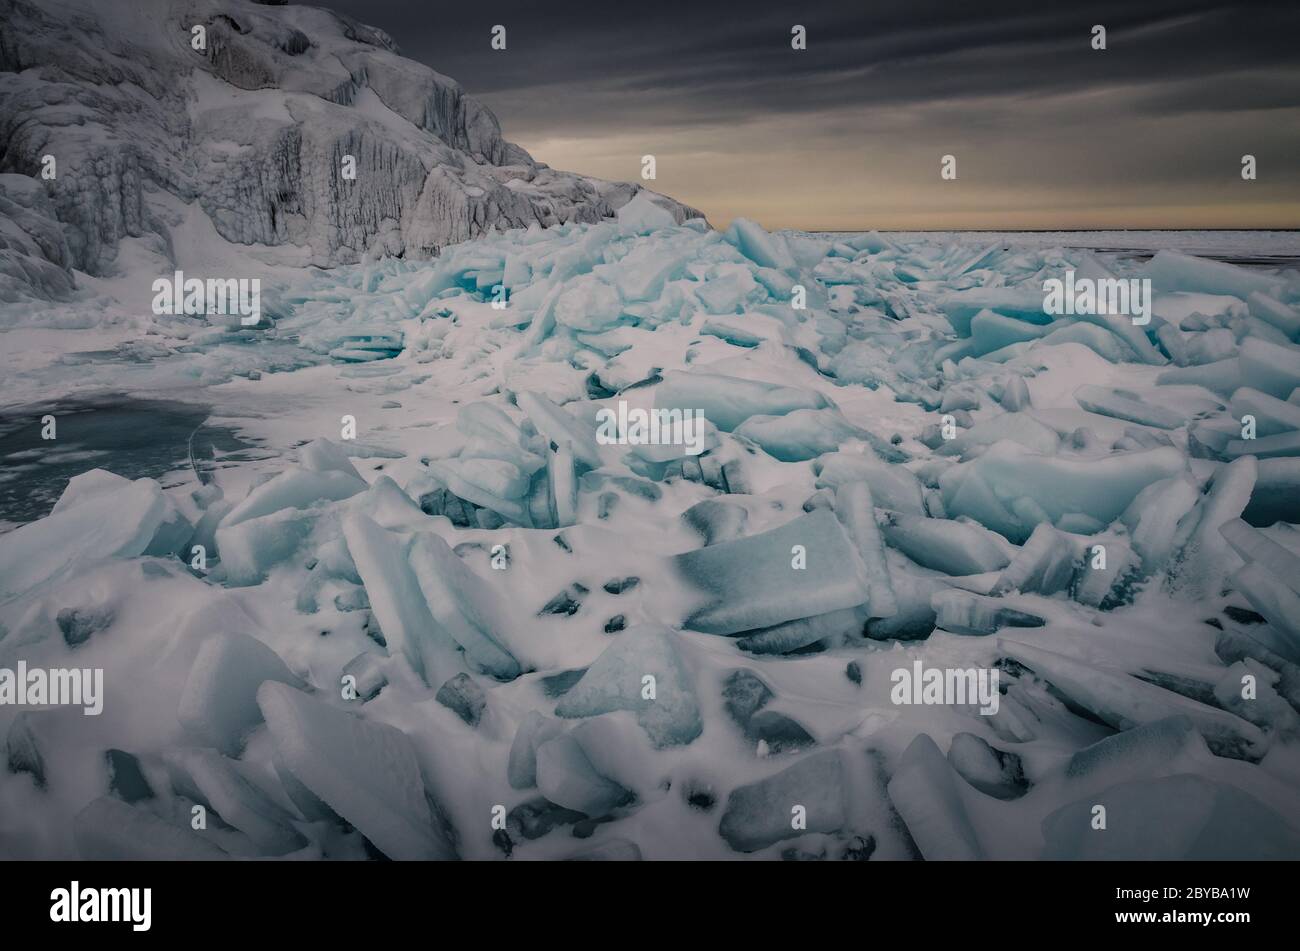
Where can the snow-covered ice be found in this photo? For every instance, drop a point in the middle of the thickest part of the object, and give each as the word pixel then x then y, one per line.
pixel 437 587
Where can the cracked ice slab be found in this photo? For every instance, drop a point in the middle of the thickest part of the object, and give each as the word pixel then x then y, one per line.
pixel 616 681
pixel 753 582
pixel 111 830
pixel 118 523
pixel 759 814
pixel 363 770
pixel 219 703
pixel 986 488
pixel 728 401
pixel 397 600
pixel 463 604
pixel 1170 818
pixel 1124 702
pixel 927 793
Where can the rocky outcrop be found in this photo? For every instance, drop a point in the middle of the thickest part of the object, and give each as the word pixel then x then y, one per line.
pixel 34 254
pixel 260 120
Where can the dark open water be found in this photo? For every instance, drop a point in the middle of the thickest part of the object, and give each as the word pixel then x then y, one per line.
pixel 132 438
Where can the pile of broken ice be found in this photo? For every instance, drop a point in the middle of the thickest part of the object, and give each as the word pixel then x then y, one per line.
pixel 510 638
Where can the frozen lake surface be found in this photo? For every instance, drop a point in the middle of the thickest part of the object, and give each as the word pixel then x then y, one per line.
pixel 134 438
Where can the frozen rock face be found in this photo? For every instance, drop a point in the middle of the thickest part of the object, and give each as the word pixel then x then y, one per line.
pixel 34 252
pixel 291 127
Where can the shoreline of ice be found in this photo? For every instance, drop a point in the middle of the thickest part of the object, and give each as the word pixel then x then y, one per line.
pixel 477 686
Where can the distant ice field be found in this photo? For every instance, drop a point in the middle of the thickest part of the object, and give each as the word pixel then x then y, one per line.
pixel 1242 247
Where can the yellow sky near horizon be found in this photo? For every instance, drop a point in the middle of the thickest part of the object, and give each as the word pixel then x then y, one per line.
pixel 799 191
pixel 1016 170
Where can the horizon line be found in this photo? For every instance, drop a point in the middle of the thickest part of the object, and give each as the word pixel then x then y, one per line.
pixel 1033 230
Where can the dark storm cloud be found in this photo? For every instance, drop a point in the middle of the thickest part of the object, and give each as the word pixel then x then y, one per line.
pixel 1183 89
pixel 722 56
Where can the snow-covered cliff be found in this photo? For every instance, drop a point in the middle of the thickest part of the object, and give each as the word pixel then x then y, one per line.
pixel 261 128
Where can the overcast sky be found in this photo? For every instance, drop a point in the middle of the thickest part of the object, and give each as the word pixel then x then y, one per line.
pixel 849 134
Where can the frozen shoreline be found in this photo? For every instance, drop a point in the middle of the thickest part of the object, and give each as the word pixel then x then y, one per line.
pixel 498 583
